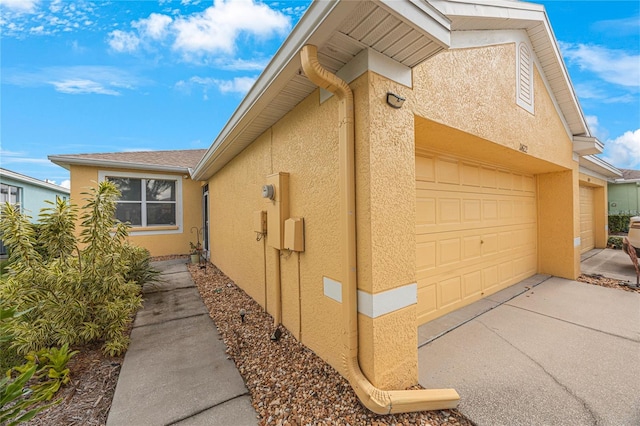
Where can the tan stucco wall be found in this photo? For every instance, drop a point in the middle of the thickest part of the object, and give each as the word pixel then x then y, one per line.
pixel 465 104
pixel 82 177
pixel 470 111
pixel 304 144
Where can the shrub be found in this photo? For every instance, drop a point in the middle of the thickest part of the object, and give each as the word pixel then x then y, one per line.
pixel 619 222
pixel 615 243
pixel 75 296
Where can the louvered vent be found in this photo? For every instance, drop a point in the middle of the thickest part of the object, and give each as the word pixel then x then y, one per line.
pixel 524 78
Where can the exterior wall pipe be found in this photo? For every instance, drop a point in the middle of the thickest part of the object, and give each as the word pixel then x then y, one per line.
pixel 277 310
pixel 377 400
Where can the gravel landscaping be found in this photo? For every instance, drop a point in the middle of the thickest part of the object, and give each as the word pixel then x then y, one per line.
pixel 607 282
pixel 289 384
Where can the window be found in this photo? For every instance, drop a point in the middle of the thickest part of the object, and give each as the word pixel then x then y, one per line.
pixel 148 201
pixel 10 194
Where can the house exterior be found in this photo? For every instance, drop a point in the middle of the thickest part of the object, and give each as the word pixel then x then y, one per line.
pixel 624 193
pixel 160 200
pixel 396 161
pixel 28 193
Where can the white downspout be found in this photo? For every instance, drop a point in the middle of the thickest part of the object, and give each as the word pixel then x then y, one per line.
pixel 377 400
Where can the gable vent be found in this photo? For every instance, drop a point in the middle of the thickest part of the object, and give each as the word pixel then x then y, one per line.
pixel 524 77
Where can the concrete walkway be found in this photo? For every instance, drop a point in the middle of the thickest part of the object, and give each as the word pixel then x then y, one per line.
pixel 176 371
pixel 560 353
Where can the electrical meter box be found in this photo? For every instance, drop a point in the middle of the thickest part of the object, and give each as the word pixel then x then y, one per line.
pixel 260 221
pixel 276 195
pixel 294 234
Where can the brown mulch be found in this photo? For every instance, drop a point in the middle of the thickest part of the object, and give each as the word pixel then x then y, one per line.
pixel 289 384
pixel 86 399
pixel 607 282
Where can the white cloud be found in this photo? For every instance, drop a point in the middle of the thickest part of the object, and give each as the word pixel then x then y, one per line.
pixel 20 6
pixel 240 85
pixel 237 85
pixel 66 184
pixel 619 27
pixel 76 80
pixel 624 151
pixel 594 126
pixel 122 41
pixel 83 87
pixel 156 26
pixel 614 66
pixel 216 29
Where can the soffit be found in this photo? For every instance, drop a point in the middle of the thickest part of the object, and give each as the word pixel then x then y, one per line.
pixel 340 30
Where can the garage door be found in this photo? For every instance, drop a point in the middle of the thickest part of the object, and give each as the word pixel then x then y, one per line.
pixel 587 240
pixel 476 231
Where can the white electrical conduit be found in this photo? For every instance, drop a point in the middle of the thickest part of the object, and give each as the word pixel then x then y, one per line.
pixel 377 400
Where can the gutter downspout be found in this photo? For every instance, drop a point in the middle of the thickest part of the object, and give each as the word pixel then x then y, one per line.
pixel 377 400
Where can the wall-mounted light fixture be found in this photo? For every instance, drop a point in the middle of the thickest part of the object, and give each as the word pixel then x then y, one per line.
pixel 395 101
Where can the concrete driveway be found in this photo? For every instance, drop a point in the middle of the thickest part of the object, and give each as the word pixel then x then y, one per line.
pixel 559 353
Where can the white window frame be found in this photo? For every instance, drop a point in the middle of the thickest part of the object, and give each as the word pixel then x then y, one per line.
pixel 153 229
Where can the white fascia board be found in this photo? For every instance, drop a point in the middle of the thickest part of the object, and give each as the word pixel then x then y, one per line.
pixel 487 8
pixel 423 17
pixel 33 181
pixel 370 60
pixel 63 161
pixel 598 165
pixel 315 27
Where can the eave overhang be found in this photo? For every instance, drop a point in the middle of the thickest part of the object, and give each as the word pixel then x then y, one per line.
pixel 597 165
pixel 406 31
pixel 583 145
pixel 33 181
pixel 67 161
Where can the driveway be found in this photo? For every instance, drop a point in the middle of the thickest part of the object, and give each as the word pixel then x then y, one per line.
pixel 559 353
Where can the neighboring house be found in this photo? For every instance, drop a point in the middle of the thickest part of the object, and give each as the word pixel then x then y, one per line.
pixel 624 193
pixel 159 199
pixel 28 193
pixel 449 160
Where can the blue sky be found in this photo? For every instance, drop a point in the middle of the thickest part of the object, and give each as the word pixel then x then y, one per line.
pixel 109 76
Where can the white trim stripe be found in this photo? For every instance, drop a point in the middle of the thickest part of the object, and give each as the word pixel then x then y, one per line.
pixel 376 305
pixel 332 289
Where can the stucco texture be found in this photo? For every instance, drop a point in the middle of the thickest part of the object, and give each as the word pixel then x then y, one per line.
pixel 464 102
pixel 83 177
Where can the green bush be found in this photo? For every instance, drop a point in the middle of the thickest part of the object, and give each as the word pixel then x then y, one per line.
pixel 619 222
pixel 77 290
pixel 615 242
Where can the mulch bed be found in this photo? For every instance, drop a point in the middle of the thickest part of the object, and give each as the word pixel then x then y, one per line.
pixel 289 384
pixel 86 399
pixel 607 282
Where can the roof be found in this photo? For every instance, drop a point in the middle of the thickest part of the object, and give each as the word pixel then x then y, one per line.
pixel 407 32
pixel 33 181
pixel 630 175
pixel 180 161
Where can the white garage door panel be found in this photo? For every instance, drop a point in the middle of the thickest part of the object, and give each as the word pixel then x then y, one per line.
pixel 476 231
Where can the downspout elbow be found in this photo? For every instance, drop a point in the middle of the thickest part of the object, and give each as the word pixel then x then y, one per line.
pixel 377 400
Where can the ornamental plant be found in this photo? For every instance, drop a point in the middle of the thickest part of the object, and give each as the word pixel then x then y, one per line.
pixel 75 290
